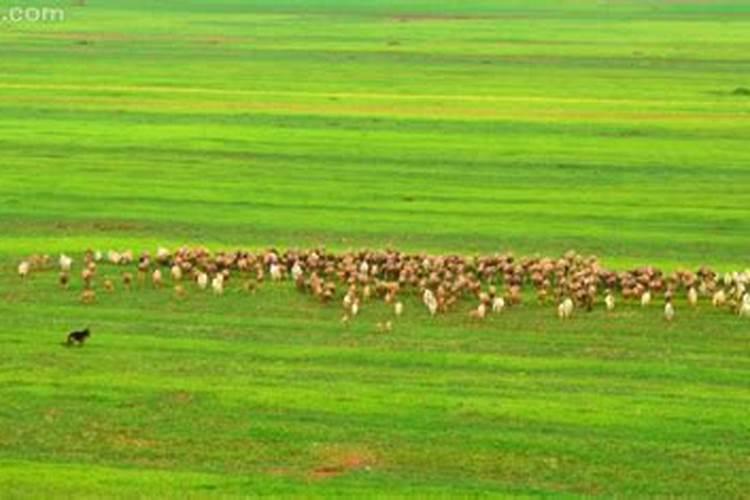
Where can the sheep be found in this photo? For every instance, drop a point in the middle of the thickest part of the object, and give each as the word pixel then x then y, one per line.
pixel 355 308
pixel 114 257
pixel 87 275
pixel 646 298
pixel 176 272
pixel 668 310
pixel 156 278
pixel 23 269
pixel 745 307
pixel 498 304
pixel 565 308
pixel 692 296
pixel 64 279
pixel 275 271
pixel 480 312
pixel 127 280
pixel 108 285
pixel 88 296
pixel 430 301
pixel 398 308
pixel 202 280
pixel 217 284
pixel 179 291
pixel 66 263
pixel 162 255
pixel 609 301
pixel 719 298
pixel 297 271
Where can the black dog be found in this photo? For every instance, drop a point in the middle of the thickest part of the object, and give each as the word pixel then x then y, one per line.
pixel 79 337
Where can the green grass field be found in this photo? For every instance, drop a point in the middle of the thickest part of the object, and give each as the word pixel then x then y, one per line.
pixel 612 127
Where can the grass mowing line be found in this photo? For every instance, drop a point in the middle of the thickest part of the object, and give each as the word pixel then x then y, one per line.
pixel 337 95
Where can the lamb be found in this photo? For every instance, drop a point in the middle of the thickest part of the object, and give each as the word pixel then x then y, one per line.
pixel 498 304
pixel 218 284
pixel 565 308
pixel 646 298
pixel 202 280
pixel 176 273
pixel 430 301
pixel 156 278
pixel 114 257
pixel 745 307
pixel 480 312
pixel 162 255
pixel 609 301
pixel 398 309
pixel 109 286
pixel 719 298
pixel 66 263
pixel 88 296
pixel 668 310
pixel 23 269
pixel 693 296
pixel 275 271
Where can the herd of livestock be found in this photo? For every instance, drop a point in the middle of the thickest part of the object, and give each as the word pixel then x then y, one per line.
pixel 493 282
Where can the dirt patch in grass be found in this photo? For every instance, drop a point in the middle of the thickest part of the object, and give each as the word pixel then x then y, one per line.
pixel 337 462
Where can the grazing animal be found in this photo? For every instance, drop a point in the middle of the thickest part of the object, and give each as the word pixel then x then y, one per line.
pixel 23 269
pixel 156 278
pixel 693 296
pixel 646 298
pixel 498 304
pixel 430 301
pixel 719 298
pixel 745 307
pixel 108 285
pixel 66 263
pixel 398 308
pixel 64 279
pixel 179 291
pixel 218 284
pixel 88 296
pixel 669 310
pixel 78 337
pixel 127 280
pixel 480 312
pixel 176 272
pixel 565 309
pixel 202 281
pixel 609 301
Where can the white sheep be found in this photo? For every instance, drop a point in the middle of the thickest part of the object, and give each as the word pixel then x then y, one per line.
pixel 693 296
pixel 23 269
pixel 565 309
pixel 430 301
pixel 398 308
pixel 498 304
pixel 668 311
pixel 275 271
pixel 218 284
pixel 176 272
pixel 66 263
pixel 745 307
pixel 297 271
pixel 646 298
pixel 156 278
pixel 609 301
pixel 202 280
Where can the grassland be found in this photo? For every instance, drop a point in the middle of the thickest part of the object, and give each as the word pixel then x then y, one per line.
pixel 610 127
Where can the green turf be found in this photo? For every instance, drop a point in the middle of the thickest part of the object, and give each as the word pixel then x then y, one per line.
pixel 532 126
